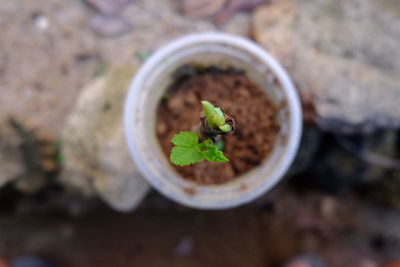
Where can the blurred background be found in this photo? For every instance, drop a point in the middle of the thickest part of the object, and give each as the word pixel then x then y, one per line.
pixel 65 191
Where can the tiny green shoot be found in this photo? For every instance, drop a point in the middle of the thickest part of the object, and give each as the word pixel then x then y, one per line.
pixel 191 148
pixel 215 117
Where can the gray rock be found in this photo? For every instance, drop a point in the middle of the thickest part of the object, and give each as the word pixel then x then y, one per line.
pixel 342 53
pixel 109 26
pixel 109 6
pixel 201 8
pixel 233 7
pixel 97 161
pixel 239 24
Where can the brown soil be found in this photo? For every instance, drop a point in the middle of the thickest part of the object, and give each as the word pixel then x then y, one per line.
pixel 238 97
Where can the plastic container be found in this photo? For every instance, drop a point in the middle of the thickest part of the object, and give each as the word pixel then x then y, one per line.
pixel 221 50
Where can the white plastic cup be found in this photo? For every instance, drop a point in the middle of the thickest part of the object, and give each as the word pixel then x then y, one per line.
pixel 210 49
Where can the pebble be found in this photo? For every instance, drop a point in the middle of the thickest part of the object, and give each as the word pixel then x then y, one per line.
pixel 109 26
pixel 41 22
pixel 201 8
pixel 109 6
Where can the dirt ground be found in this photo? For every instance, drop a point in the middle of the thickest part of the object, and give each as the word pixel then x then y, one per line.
pixel 343 230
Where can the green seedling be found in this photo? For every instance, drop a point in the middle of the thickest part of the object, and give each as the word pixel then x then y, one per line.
pixel 191 148
pixel 215 117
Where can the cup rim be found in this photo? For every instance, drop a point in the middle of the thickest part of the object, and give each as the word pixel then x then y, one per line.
pixel 242 43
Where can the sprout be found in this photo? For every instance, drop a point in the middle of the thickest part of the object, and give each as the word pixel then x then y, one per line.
pixel 191 147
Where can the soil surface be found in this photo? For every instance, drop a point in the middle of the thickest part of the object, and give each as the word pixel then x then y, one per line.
pixel 343 230
pixel 237 96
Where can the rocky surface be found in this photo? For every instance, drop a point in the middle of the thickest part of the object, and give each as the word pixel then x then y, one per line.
pixel 201 8
pixel 220 11
pixel 109 7
pixel 49 53
pixel 342 54
pixel 97 160
pixel 239 24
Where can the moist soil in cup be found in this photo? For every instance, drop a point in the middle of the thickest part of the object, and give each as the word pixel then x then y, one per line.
pixel 255 116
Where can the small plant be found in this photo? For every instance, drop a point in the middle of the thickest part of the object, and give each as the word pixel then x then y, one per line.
pixel 206 144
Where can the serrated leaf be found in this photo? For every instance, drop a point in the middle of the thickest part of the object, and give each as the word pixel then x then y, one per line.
pixel 183 156
pixel 211 152
pixel 214 154
pixel 185 139
pixel 186 150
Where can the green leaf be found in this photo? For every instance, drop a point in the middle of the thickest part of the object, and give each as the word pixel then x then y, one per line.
pixel 214 155
pixel 186 150
pixel 183 156
pixel 211 152
pixel 185 139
